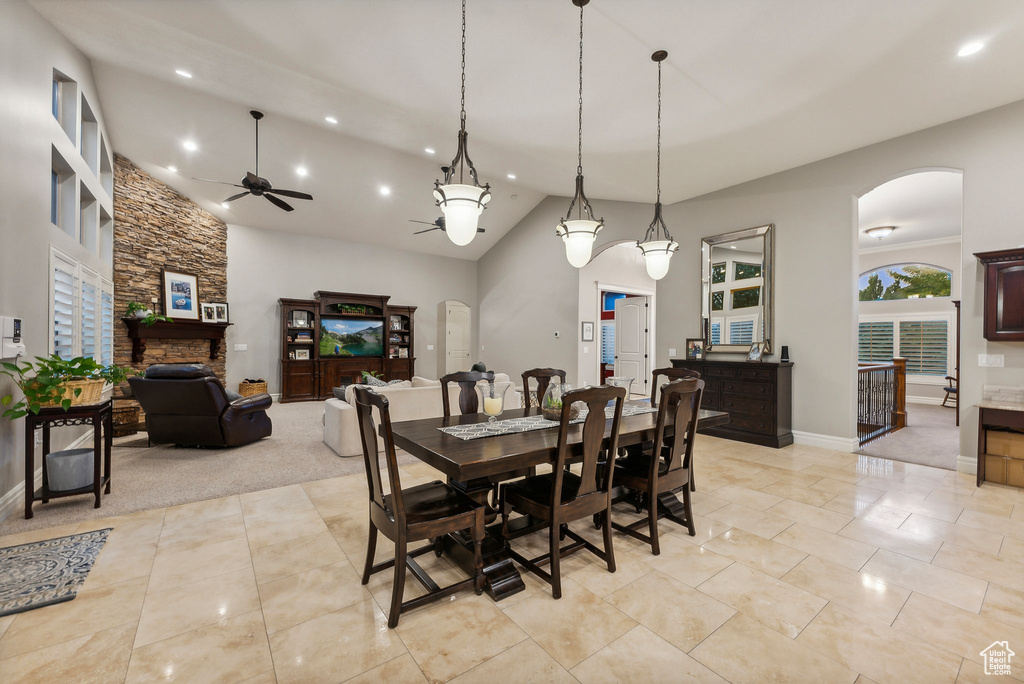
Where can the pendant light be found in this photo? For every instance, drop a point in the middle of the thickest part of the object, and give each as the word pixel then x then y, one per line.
pixel 461 199
pixel 579 232
pixel 657 245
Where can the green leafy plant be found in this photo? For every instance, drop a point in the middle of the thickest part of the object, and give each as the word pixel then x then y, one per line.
pixel 43 382
pixel 149 319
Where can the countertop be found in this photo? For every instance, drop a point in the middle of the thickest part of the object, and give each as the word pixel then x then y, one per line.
pixel 1002 404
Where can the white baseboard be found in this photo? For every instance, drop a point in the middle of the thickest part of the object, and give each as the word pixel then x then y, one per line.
pixel 14 499
pixel 844 444
pixel 931 401
pixel 276 396
pixel 966 464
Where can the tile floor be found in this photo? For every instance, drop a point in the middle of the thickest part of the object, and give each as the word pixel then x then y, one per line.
pixel 808 566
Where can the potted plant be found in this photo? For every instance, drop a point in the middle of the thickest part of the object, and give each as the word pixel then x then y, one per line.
pixel 137 310
pixel 52 381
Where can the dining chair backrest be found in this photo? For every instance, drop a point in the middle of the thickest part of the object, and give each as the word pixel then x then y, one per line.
pixel 469 401
pixel 543 376
pixel 679 408
pixel 366 400
pixel 671 374
pixel 596 400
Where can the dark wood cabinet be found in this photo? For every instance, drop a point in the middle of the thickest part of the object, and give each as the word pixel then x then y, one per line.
pixel 758 396
pixel 1004 294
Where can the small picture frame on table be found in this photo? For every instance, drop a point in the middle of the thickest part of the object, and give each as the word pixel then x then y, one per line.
pixel 209 313
pixel 587 332
pixel 220 312
pixel 694 349
pixel 302 355
pixel 755 352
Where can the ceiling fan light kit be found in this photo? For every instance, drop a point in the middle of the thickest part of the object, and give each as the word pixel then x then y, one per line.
pixel 460 201
pixel 657 245
pixel 880 232
pixel 579 232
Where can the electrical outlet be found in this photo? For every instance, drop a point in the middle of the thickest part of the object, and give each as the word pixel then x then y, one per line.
pixel 430 347
pixel 241 347
pixel 672 351
pixel 481 347
pixel 586 350
pixel 990 360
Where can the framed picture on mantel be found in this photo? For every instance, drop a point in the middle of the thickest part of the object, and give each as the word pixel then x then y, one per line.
pixel 180 294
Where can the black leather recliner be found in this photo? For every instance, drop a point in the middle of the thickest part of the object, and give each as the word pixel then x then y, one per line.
pixel 186 404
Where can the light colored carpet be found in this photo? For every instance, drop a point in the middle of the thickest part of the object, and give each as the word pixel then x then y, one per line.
pixel 146 478
pixel 931 438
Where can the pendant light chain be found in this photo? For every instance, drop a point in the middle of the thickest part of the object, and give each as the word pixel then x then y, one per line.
pixel 579 139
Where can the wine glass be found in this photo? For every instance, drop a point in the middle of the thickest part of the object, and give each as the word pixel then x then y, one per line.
pixel 494 400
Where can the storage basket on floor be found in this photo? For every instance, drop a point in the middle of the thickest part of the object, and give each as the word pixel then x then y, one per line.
pixel 125 416
pixel 248 389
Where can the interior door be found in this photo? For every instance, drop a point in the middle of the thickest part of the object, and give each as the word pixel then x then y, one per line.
pixel 457 337
pixel 631 341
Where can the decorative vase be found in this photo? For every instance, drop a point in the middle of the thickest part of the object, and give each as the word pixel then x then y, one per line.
pixel 142 313
pixel 551 403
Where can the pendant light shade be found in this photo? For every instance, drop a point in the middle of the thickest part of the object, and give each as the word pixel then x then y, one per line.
pixel 462 199
pixel 579 231
pixel 657 245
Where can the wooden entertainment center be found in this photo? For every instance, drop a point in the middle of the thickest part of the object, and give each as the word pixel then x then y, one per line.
pixel 315 359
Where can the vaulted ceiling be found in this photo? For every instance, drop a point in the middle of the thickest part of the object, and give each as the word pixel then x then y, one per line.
pixel 751 87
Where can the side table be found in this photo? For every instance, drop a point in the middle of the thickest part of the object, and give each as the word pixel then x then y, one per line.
pixel 101 417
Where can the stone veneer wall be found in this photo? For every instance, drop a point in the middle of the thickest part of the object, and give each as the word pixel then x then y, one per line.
pixel 155 228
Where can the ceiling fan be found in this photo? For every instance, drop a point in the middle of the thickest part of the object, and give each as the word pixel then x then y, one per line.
pixel 260 187
pixel 438 224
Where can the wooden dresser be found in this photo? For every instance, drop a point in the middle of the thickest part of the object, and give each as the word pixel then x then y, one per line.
pixel 758 395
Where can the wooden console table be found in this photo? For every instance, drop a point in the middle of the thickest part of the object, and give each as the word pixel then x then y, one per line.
pixel 179 329
pixel 101 417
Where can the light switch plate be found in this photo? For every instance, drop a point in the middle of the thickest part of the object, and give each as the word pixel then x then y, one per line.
pixel 672 351
pixel 990 360
pixel 586 350
pixel 241 347
pixel 430 347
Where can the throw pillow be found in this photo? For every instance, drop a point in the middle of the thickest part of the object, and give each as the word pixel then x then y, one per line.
pixel 232 395
pixel 373 381
pixel 418 381
pixel 339 393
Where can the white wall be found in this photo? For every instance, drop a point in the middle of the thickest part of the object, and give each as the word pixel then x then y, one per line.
pixel 265 265
pixel 620 265
pixel 30 48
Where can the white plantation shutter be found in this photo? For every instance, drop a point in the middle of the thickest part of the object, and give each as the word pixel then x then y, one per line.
pixel 64 288
pixel 925 345
pixel 88 320
pixel 106 323
pixel 741 332
pixel 716 333
pixel 875 342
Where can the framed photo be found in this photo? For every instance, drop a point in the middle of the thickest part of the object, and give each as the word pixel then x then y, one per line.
pixel 209 313
pixel 302 355
pixel 694 349
pixel 180 294
pixel 588 331
pixel 755 352
pixel 220 310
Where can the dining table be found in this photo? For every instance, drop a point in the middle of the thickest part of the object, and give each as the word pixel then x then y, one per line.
pixel 476 466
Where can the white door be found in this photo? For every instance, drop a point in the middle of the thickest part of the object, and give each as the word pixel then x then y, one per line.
pixel 631 341
pixel 457 337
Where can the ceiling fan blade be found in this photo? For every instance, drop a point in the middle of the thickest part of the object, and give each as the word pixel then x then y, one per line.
pixel 420 232
pixel 207 180
pixel 280 203
pixel 292 193
pixel 238 196
pixel 426 223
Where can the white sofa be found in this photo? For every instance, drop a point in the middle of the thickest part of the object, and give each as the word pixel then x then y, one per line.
pixel 419 399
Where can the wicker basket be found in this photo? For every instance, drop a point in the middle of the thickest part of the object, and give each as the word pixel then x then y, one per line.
pixel 125 415
pixel 248 389
pixel 92 393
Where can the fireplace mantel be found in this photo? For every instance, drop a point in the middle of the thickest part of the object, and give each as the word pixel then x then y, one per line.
pixel 179 329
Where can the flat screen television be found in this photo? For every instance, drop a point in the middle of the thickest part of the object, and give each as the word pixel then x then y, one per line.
pixel 351 337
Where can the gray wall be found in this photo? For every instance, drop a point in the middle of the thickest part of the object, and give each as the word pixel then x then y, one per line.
pixel 265 265
pixel 30 48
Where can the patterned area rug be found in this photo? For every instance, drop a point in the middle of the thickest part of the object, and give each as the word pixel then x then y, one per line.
pixel 47 572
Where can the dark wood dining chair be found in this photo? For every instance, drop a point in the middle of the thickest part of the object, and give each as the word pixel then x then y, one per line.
pixel 423 512
pixel 952 391
pixel 543 376
pixel 561 497
pixel 674 374
pixel 666 466
pixel 469 400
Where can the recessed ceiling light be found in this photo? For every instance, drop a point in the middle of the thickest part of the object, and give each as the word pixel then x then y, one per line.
pixel 511 176
pixel 970 48
pixel 330 120
pixel 879 232
pixel 172 169
pixel 385 190
pixel 183 73
pixel 190 146
pixel 428 150
pixel 302 170
pixel 732 246
pixel 225 205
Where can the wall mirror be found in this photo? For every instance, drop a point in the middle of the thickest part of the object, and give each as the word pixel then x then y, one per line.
pixel 737 290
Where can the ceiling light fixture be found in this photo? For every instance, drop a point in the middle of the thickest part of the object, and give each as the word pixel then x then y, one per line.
pixel 879 232
pixel 302 171
pixel 658 245
pixel 183 73
pixel 460 202
pixel 511 176
pixel 579 233
pixel 172 169
pixel 429 150
pixel 190 146
pixel 330 120
pixel 970 49
pixel 385 190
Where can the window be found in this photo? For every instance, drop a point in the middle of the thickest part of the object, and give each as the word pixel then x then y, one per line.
pixel 63 289
pixel 905 281
pixel 925 345
pixel 741 332
pixel 746 297
pixel 106 322
pixel 87 320
pixel 717 301
pixel 55 95
pixel 716 332
pixel 742 271
pixel 718 273
pixel 875 342
pixel 608 342
pixel 54 197
pixel 81 311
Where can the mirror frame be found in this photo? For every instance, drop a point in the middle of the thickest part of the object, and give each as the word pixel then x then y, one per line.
pixel 767 288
